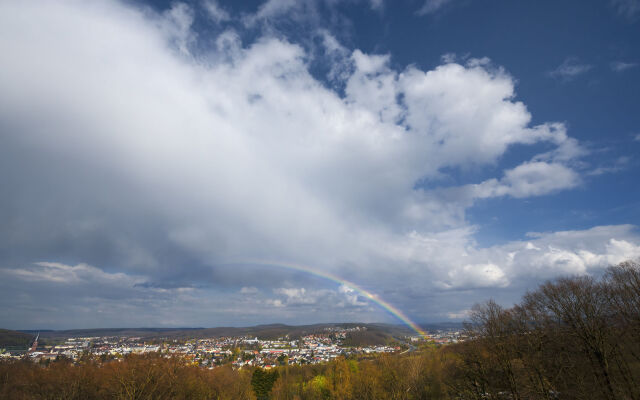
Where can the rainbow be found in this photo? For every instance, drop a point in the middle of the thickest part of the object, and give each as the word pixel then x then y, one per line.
pixel 365 293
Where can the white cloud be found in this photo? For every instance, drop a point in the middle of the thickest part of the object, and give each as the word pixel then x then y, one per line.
pixel 70 274
pixel 620 66
pixel 467 114
pixel 215 11
pixel 567 150
pixel 575 252
pixel 449 58
pixel 302 297
pixel 432 6
pixel 377 5
pixel 570 68
pixel 373 86
pixel 627 8
pixel 620 164
pixel 176 22
pixel 461 314
pixel 454 258
pixel 531 246
pixel 275 8
pixel 475 276
pixel 275 303
pixel 246 155
pixel 296 294
pixel 528 179
pixel 351 296
pixel 337 56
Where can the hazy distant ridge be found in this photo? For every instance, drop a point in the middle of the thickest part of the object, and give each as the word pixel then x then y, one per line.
pixel 262 331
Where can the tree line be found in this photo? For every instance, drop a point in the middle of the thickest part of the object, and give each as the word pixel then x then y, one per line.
pixel 571 338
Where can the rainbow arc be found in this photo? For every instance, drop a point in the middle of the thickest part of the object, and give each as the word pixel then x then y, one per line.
pixel 361 291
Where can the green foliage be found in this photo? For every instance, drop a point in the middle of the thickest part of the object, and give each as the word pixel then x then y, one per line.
pixel 262 382
pixel 320 387
pixel 283 359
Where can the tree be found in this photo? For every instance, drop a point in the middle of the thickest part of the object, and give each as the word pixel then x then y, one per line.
pixel 262 382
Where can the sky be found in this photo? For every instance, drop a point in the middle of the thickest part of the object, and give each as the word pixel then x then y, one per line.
pixel 230 163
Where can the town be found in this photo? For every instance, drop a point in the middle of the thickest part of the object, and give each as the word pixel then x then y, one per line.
pixel 241 351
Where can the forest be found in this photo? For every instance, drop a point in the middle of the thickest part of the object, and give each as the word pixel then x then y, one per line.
pixel 571 338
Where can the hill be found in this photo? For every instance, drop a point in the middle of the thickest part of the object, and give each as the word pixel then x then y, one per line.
pixel 10 338
pixel 376 333
pixel 367 338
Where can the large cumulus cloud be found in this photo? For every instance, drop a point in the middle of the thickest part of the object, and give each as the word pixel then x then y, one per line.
pixel 137 155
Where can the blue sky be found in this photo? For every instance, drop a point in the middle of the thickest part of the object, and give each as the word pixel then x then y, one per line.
pixel 154 156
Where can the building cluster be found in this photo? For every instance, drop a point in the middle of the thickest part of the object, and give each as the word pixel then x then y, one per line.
pixel 238 351
pixel 310 349
pixel 443 337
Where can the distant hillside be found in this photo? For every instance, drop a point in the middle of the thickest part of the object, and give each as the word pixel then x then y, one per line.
pixel 125 332
pixel 442 326
pixel 367 338
pixel 272 331
pixel 14 338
